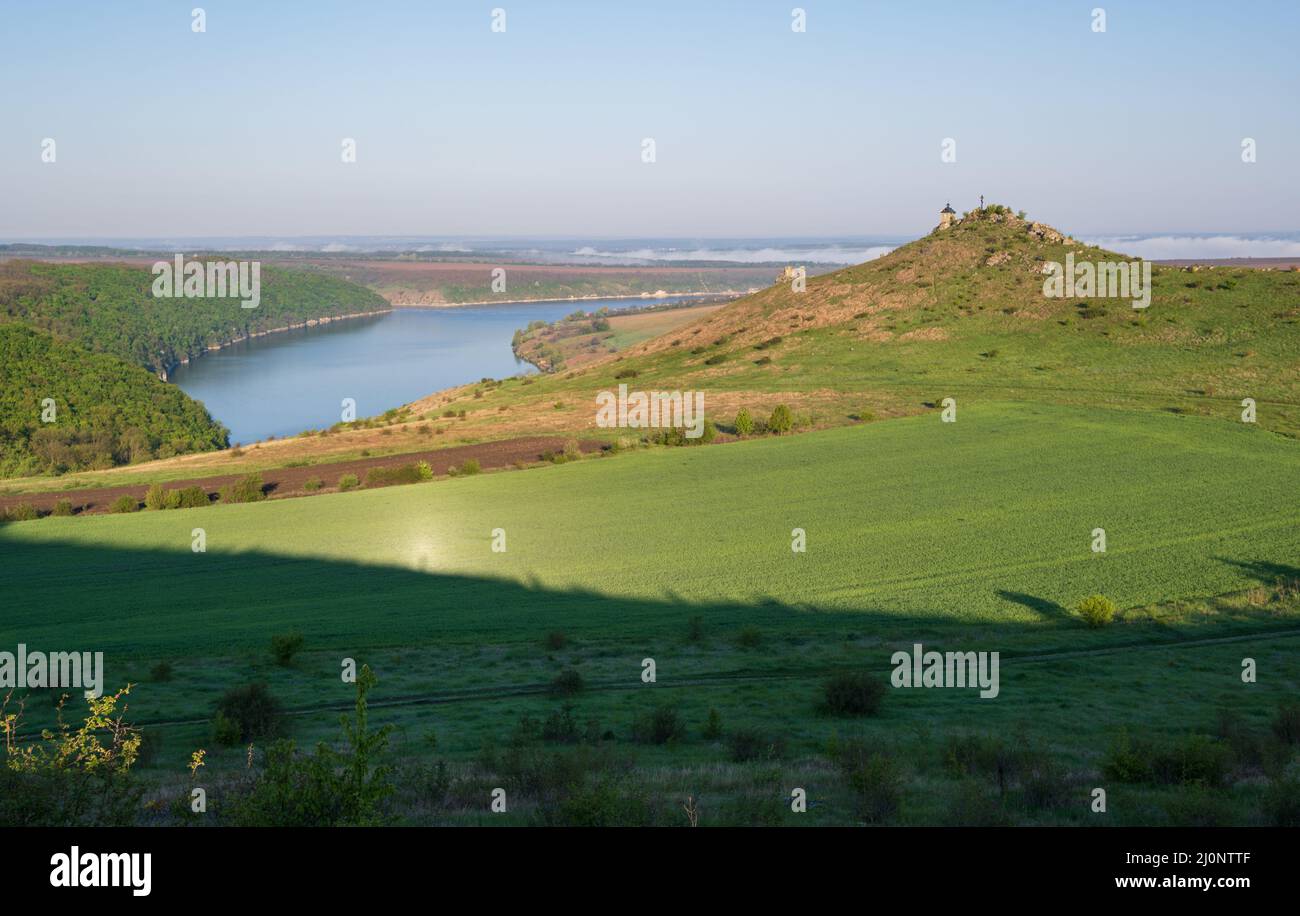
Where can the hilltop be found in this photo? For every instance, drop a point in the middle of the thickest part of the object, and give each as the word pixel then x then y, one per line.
pixel 959 312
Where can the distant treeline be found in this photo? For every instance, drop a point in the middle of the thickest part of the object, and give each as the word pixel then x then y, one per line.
pixel 110 308
pixel 82 346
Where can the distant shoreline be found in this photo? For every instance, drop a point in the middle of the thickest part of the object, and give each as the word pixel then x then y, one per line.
pixel 454 305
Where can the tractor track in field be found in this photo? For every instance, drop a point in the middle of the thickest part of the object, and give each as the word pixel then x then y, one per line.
pixel 471 694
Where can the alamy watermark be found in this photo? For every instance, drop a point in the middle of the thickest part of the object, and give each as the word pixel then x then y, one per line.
pixel 209 280
pixel 25 669
pixel 651 410
pixel 919 668
pixel 1099 280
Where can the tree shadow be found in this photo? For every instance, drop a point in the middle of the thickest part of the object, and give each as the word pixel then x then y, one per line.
pixel 1264 571
pixel 1044 607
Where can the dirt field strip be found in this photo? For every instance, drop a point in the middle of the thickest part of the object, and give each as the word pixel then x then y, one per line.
pixel 281 482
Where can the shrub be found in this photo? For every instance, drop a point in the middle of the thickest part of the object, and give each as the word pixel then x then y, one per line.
pixel 744 423
pixel 567 683
pixel 876 781
pixel 1195 760
pixel 747 744
pixel 248 489
pixel 695 629
pixel 770 342
pixel 155 499
pixel 23 512
pixel 225 731
pixel 713 727
pixel 425 471
pixel 403 473
pixel 284 646
pixel 161 672
pixel 326 788
pixel 123 504
pixel 854 693
pixel 470 467
pixel 749 638
pixel 1286 725
pixel 172 499
pixel 348 482
pixel 1096 610
pixel 1199 807
pixel 312 484
pixel 659 726
pixel 555 640
pixel 250 713
pixel 626 373
pixel 1126 762
pixel 715 359
pixel 1282 803
pixel 62 508
pixel 193 497
pixel 782 421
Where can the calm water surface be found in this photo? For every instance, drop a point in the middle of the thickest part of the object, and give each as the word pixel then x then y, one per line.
pixel 285 383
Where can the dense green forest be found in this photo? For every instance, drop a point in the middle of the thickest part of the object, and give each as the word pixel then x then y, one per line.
pixel 105 411
pixel 93 338
pixel 110 308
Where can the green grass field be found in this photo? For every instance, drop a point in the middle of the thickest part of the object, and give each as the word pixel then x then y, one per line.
pixel 972 536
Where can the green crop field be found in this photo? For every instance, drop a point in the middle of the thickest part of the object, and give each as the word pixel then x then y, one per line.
pixel 974 535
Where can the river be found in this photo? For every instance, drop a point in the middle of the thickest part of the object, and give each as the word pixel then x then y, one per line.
pixel 282 384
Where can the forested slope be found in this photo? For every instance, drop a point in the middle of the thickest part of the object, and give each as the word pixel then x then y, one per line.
pixel 110 308
pixel 105 411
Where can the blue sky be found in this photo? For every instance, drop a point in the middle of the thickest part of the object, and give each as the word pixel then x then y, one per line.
pixel 759 130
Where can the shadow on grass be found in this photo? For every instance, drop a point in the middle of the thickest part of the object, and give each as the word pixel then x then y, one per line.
pixel 1044 607
pixel 151 603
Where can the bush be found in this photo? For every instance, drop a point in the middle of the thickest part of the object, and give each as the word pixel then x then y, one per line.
pixel 248 489
pixel 749 638
pixel 284 646
pixel 747 744
pixel 854 693
pixel 312 484
pixel 62 508
pixel 470 467
pixel 744 423
pixel 250 713
pixel 695 631
pixel 225 731
pixel 713 727
pixel 326 788
pixel 123 504
pixel 1282 803
pixel 1286 725
pixel 1096 610
pixel 156 498
pixel 348 482
pixel 555 640
pixel 161 672
pixel 876 781
pixel 193 497
pixel 659 726
pixel 1196 760
pixel 782 420
pixel 404 473
pixel 23 512
pixel 567 683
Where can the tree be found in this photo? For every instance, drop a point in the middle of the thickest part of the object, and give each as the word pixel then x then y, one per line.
pixel 782 420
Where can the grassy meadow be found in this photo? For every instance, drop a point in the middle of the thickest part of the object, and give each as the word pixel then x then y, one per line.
pixel 974 535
